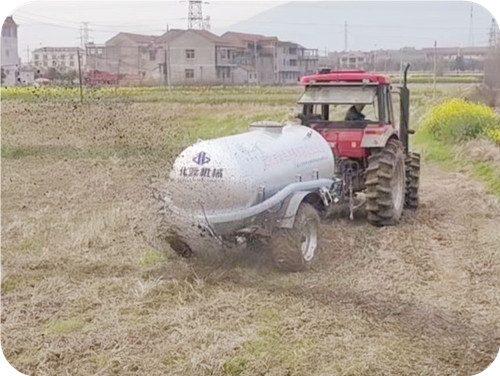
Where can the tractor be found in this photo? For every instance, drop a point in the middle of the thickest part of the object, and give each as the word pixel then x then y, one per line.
pixel 353 111
pixel 271 185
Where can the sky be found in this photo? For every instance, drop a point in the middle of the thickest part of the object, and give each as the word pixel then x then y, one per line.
pixel 59 23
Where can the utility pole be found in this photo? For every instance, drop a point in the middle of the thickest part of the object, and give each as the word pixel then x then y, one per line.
pixel 167 60
pixel 85 26
pixel 471 27
pixel 345 37
pixel 435 69
pixel 80 75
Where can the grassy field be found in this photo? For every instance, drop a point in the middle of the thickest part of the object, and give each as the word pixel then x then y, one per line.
pixel 86 290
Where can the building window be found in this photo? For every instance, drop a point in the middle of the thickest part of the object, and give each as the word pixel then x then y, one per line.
pixel 54 63
pixel 35 56
pixel 44 57
pixel 71 63
pixel 71 57
pixel 223 53
pixel 152 55
pixel 7 53
pixel 45 63
pixel 189 54
pixel 189 73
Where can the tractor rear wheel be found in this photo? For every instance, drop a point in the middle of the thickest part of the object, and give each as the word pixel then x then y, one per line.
pixel 385 185
pixel 295 249
pixel 412 180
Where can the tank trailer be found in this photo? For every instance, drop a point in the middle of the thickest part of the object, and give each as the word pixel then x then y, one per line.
pixel 272 185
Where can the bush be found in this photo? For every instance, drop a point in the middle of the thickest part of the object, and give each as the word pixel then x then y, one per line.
pixel 459 120
pixel 494 135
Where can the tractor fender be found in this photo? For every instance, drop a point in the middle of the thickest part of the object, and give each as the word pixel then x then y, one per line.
pixel 378 137
pixel 286 216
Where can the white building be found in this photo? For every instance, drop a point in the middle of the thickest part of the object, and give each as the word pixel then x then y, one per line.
pixel 10 56
pixel 63 59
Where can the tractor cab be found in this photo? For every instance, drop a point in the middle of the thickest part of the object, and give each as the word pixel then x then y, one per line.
pixel 353 111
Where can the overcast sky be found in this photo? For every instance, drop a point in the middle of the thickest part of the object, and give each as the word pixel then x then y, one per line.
pixel 59 23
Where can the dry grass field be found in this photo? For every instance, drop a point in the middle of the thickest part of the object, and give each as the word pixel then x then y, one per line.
pixel 87 291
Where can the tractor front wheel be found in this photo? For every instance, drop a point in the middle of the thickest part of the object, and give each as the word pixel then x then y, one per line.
pixel 295 249
pixel 385 185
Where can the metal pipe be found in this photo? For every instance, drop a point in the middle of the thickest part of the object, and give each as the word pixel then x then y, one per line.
pixel 261 207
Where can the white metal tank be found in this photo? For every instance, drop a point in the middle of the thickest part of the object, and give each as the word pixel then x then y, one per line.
pixel 236 172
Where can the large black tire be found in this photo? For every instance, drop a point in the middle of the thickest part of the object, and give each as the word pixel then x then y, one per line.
pixel 412 181
pixel 295 249
pixel 385 185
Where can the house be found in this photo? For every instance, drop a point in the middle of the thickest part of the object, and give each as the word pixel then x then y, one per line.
pixel 95 58
pixel 134 57
pixel 246 75
pixel 10 56
pixel 277 62
pixel 62 59
pixel 257 51
pixel 26 75
pixel 294 61
pixel 198 57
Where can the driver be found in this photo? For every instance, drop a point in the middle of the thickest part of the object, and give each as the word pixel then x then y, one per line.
pixel 354 113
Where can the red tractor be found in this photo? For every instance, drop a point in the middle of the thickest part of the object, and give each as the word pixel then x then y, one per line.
pixel 353 111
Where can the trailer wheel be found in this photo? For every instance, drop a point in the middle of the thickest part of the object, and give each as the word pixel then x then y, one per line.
pixel 385 185
pixel 412 181
pixel 295 249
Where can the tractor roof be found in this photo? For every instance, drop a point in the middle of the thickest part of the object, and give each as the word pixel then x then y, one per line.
pixel 326 76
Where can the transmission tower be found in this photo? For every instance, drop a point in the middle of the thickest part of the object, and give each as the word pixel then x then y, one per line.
pixel 195 15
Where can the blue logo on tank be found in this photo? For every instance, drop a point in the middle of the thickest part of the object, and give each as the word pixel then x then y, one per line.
pixel 201 158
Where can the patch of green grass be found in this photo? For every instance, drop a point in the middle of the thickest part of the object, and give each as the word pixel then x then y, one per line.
pixel 218 126
pixel 433 149
pixel 489 173
pixel 63 327
pixel 445 155
pixel 272 344
pixel 10 284
pixel 152 257
pixel 29 245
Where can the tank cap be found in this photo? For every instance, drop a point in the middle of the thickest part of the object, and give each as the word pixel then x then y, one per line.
pixel 266 125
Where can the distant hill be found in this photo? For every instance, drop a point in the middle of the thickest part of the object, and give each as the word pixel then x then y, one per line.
pixel 373 24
